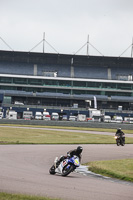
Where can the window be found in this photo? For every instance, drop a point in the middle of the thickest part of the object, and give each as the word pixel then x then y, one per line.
pixel 109 85
pixel 123 86
pixel 64 91
pixel 64 83
pixel 79 84
pixel 20 80
pixel 94 84
pixel 5 80
pixel 50 82
pixel 34 81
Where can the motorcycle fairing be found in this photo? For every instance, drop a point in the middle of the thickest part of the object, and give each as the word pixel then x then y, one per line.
pixel 74 160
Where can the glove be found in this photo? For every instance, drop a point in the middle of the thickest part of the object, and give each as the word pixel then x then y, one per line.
pixel 62 158
pixel 68 155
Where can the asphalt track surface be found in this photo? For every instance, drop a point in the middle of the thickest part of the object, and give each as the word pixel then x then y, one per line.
pixel 25 169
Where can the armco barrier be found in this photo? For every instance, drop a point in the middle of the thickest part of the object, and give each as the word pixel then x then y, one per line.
pixel 68 124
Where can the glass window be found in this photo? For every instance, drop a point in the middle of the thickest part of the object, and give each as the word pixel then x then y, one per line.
pixel 123 86
pixel 64 91
pixel 118 93
pixel 35 81
pixel 50 82
pixel 20 80
pixel 64 83
pixel 94 84
pixel 8 88
pixel 79 92
pixel 93 92
pixel 5 80
pixel 79 84
pixel 109 85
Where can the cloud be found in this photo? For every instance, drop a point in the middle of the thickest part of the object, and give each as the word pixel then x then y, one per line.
pixel 67 24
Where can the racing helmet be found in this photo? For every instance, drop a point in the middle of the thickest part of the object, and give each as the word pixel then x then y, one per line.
pixel 118 129
pixel 79 149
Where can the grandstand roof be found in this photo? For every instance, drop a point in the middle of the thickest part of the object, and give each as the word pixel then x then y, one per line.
pixel 65 59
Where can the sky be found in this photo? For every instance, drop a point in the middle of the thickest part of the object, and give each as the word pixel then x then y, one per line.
pixel 104 27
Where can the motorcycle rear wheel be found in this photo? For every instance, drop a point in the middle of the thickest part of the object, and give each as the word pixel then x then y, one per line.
pixel 66 170
pixel 123 143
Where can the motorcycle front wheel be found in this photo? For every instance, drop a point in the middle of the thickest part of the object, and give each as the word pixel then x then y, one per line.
pixel 118 142
pixel 52 170
pixel 67 170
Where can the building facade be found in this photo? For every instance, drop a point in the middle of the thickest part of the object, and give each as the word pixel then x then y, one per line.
pixel 66 80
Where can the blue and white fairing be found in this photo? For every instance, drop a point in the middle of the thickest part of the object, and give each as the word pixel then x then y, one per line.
pixel 68 162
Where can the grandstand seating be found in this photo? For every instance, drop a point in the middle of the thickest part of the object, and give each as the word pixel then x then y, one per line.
pixel 90 72
pixel 62 71
pixel 16 68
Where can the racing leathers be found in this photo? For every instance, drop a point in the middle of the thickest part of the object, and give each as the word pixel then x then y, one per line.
pixel 121 134
pixel 71 153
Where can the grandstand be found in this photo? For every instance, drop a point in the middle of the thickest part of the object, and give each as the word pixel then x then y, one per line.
pixel 64 80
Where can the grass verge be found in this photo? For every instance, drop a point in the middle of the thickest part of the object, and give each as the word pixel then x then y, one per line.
pixel 5 196
pixel 71 128
pixel 120 169
pixel 12 135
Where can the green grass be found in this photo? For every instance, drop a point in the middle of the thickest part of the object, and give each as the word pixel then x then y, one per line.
pixel 120 169
pixel 71 128
pixel 36 136
pixel 5 196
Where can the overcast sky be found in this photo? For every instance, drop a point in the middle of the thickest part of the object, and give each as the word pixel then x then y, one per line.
pixel 67 24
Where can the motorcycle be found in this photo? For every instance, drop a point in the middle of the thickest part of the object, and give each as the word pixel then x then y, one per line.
pixel 66 166
pixel 120 140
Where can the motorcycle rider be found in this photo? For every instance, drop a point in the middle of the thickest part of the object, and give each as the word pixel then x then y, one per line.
pixel 71 153
pixel 121 134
